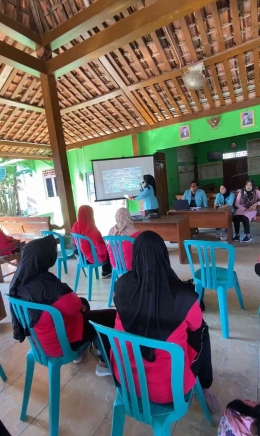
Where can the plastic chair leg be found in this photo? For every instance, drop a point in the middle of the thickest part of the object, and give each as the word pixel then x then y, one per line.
pixel 59 268
pixel 28 384
pixel 239 295
pixel 112 287
pixel 201 399
pixel 223 311
pixel 65 266
pixel 2 374
pixel 200 290
pixel 77 278
pixel 84 272
pixel 97 273
pixel 54 399
pixel 90 279
pixel 118 420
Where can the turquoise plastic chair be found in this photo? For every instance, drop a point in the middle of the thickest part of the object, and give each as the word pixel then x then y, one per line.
pixel 63 255
pixel 36 354
pixel 2 374
pixel 211 276
pixel 82 263
pixel 159 416
pixel 114 243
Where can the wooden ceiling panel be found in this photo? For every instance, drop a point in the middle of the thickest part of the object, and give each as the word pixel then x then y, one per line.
pixel 138 85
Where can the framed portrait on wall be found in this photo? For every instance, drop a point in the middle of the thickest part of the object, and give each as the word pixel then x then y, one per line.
pixel 184 132
pixel 247 119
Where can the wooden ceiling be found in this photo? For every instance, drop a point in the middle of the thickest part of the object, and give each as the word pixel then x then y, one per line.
pixel 119 66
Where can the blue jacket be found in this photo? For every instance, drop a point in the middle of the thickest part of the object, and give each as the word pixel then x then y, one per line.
pixel 200 197
pixel 150 201
pixel 220 200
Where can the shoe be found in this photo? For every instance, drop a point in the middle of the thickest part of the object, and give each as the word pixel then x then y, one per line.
pixel 224 237
pixel 106 275
pixel 94 350
pixel 78 360
pixel 236 239
pixel 102 371
pixel 246 239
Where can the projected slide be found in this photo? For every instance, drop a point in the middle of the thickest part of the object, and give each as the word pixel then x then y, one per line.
pixel 122 180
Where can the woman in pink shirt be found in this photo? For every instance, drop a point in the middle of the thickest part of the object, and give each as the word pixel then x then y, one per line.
pixel 33 282
pixel 124 227
pixel 246 203
pixel 151 301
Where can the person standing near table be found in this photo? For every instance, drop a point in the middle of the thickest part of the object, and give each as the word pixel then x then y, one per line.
pixel 195 196
pixel 148 194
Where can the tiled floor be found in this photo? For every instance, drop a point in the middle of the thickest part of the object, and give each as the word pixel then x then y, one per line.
pixel 86 400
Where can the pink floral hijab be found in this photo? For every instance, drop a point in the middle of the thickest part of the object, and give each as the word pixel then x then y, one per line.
pixel 124 225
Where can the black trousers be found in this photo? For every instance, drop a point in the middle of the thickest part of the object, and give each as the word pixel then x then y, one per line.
pixel 104 317
pixel 257 269
pixel 202 365
pixel 241 219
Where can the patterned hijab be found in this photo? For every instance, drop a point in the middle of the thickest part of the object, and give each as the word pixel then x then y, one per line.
pixel 248 198
pixel 124 225
pixel 33 282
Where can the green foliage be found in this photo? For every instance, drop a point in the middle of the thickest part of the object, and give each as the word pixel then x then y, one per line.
pixel 9 199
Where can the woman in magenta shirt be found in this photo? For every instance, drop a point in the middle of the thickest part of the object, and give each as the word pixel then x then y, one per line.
pixel 124 227
pixel 33 282
pixel 151 301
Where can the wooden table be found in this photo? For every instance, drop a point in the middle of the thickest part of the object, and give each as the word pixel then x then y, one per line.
pixel 170 228
pixel 208 218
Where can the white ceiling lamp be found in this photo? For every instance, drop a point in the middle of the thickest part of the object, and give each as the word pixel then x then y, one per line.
pixel 194 79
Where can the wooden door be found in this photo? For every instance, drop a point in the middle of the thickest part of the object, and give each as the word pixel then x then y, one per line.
pixel 235 172
pixel 160 175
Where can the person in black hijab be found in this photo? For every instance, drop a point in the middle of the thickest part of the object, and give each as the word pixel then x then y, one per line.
pixel 153 302
pixel 33 282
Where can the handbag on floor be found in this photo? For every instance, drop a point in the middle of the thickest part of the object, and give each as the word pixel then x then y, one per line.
pixel 241 418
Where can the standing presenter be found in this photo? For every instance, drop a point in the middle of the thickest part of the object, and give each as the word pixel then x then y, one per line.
pixel 148 195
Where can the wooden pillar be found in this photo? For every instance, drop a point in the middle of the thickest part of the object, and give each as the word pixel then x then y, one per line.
pixel 135 144
pixel 57 141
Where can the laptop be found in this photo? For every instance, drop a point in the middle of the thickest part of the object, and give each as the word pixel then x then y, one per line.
pixel 181 205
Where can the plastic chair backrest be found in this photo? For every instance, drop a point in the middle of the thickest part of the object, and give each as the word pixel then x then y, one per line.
pixel 115 243
pixel 139 406
pixel 206 251
pixel 56 235
pixel 22 310
pixel 82 259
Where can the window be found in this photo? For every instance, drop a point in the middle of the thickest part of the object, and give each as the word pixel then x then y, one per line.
pixel 50 183
pixel 90 188
pixel 234 154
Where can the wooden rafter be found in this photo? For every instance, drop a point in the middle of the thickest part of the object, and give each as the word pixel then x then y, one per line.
pixel 25 106
pixel 18 59
pixel 24 145
pixel 24 156
pixel 19 33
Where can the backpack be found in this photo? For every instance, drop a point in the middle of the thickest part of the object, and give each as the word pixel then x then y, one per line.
pixel 237 421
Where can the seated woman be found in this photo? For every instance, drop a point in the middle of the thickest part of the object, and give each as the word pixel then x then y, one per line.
pixel 33 282
pixel 86 226
pixel 246 203
pixel 151 301
pixel 124 227
pixel 224 199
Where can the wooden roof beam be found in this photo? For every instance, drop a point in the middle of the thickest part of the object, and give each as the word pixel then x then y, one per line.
pixel 142 22
pixel 19 33
pixel 24 156
pixel 91 102
pixel 25 106
pixel 24 145
pixel 22 61
pixel 85 20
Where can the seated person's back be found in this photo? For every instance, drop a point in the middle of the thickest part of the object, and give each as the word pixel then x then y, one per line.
pixel 152 302
pixel 124 227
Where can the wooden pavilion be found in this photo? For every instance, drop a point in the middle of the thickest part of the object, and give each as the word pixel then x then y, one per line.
pixel 78 72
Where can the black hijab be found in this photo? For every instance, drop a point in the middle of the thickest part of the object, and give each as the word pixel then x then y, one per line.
pixel 227 193
pixel 151 300
pixel 32 281
pixel 248 198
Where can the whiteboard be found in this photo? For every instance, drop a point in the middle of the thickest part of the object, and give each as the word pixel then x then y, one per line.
pixel 253 148
pixel 185 154
pixel 186 175
pixel 210 171
pixel 253 165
